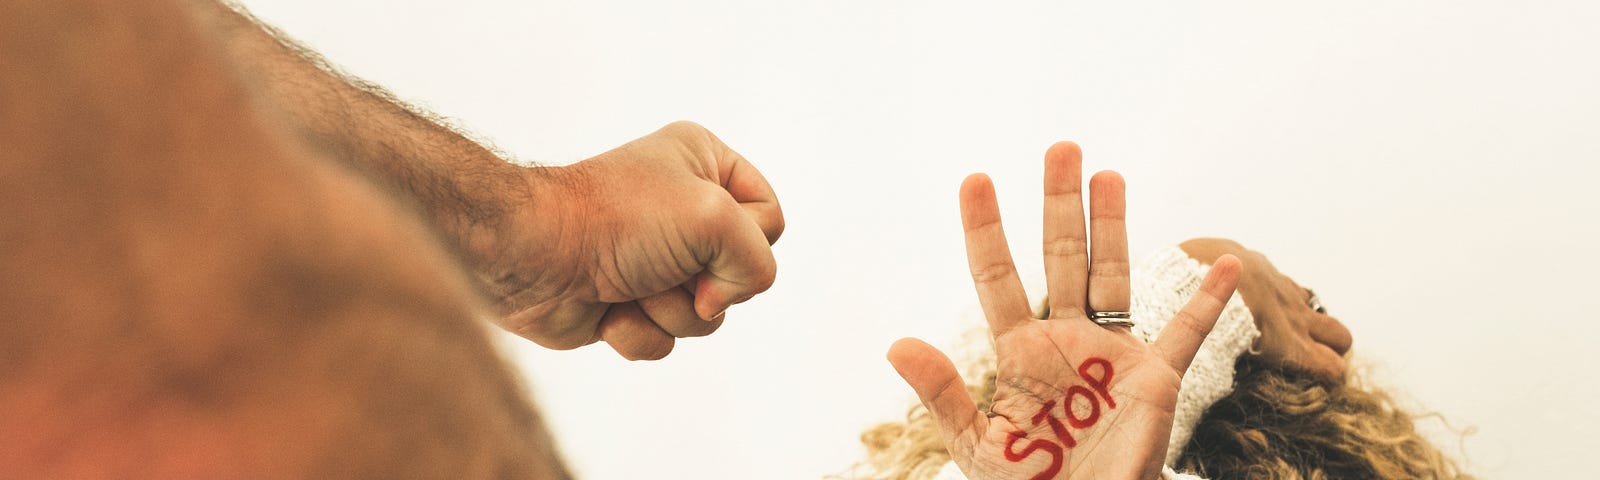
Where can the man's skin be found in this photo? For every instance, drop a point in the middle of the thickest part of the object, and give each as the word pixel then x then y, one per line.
pixel 219 264
pixel 554 248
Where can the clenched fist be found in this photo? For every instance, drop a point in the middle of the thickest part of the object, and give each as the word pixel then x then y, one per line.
pixel 647 242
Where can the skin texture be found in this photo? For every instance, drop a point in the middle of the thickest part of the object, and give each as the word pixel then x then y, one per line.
pixel 192 293
pixel 1046 365
pixel 226 261
pixel 1294 336
pixel 711 219
pixel 637 246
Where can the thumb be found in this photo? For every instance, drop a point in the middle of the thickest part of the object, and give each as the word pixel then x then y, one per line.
pixel 941 390
pixel 1182 337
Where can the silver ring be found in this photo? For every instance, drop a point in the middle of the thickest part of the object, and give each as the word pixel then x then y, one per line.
pixel 1109 318
pixel 1315 302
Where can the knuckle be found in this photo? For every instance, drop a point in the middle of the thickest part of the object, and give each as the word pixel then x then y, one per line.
pixel 635 343
pixel 1189 325
pixel 700 328
pixel 946 388
pixel 766 273
pixel 978 226
pixel 764 279
pixel 1110 269
pixel 650 350
pixel 713 209
pixel 778 225
pixel 683 126
pixel 692 133
pixel 1066 247
pixel 993 272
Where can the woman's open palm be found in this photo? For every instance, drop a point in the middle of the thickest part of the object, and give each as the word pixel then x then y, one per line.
pixel 1074 398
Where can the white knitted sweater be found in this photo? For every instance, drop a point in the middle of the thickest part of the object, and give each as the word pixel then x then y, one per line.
pixel 1162 285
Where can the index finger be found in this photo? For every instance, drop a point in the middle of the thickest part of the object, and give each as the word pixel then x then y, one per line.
pixel 714 161
pixel 748 187
pixel 754 194
pixel 1000 292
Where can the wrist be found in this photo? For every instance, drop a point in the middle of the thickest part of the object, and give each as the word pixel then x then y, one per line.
pixel 543 220
pixel 557 204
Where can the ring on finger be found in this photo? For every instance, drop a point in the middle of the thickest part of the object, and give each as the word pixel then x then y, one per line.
pixel 1112 318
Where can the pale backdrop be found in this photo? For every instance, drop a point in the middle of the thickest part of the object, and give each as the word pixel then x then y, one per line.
pixel 1428 167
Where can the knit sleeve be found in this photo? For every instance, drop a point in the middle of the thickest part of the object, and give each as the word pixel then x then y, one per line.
pixel 1162 284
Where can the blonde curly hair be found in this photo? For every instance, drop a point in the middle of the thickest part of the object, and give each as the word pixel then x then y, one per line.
pixel 1275 425
pixel 1284 426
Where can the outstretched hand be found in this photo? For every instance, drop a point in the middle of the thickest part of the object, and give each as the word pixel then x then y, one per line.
pixel 651 241
pixel 1074 399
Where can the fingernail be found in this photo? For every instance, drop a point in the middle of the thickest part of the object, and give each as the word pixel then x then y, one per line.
pixel 718 315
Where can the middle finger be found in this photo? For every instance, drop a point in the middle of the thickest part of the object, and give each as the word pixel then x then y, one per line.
pixel 1066 247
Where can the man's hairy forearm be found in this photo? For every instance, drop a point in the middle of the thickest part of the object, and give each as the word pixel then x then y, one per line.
pixel 463 188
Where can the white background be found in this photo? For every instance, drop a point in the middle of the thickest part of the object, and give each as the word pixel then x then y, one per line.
pixel 1428 167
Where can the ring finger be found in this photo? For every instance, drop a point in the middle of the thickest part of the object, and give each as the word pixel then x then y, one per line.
pixel 1109 289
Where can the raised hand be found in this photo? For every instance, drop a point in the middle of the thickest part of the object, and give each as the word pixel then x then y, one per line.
pixel 1297 334
pixel 1074 399
pixel 639 245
